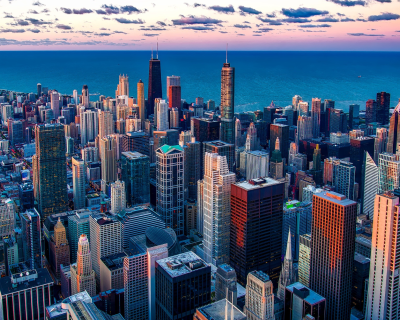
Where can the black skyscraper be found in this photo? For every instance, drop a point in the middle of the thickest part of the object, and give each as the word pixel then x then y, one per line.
pixel 155 87
pixel 382 107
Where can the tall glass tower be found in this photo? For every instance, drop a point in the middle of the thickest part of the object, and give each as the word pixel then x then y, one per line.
pixel 227 103
pixel 155 86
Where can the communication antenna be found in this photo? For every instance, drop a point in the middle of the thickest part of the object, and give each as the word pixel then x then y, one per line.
pixel 157 48
pixel 226 53
pixel 151 53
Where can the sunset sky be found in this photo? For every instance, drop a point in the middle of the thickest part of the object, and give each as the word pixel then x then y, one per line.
pixel 372 25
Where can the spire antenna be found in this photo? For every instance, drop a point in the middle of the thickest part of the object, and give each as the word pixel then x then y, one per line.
pixel 151 53
pixel 226 53
pixel 157 48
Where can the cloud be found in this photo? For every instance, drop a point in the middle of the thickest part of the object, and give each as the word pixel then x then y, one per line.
pixel 63 27
pixel 249 10
pixel 240 34
pixel 163 24
pixel 34 30
pixel 242 26
pixel 265 29
pixel 151 34
pixel 105 9
pixel 130 9
pixel 384 1
pixel 152 28
pixel 21 23
pixel 315 25
pixel 199 28
pixel 384 16
pixel 33 12
pixel 38 22
pixel 63 42
pixel 8 16
pixel 303 12
pixel 45 10
pixel 361 20
pixel 76 11
pixel 295 20
pixel 328 19
pixel 271 22
pixel 127 21
pixel 347 20
pixel 37 3
pixel 195 20
pixel 228 9
pixel 119 32
pixel 222 31
pixel 12 30
pixel 365 35
pixel 350 3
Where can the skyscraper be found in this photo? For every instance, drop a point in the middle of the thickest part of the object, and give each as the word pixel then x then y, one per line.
pixel 85 96
pixel 49 170
pixel 256 227
pixel 155 86
pixel 55 103
pixel 79 182
pixel 174 97
pixel 106 123
pixel 118 198
pixel 193 160
pixel 59 249
pixel 123 86
pixel 223 149
pixel 394 131
pixel 108 150
pixel 280 131
pixel 388 172
pixel 370 185
pixel 276 162
pixel 226 284
pixel 7 218
pixel 78 224
pixel 172 81
pixel 304 128
pixel 162 116
pixel 332 251
pixel 288 274
pixel 357 148
pixel 316 116
pixel 344 178
pixel 251 141
pixel 304 259
pixel 141 101
pixel 89 122
pixel 31 237
pixel 39 90
pixel 370 111
pixel 380 142
pixel 383 289
pixel 82 273
pixel 170 186
pixel 216 208
pixel 227 103
pixel 382 107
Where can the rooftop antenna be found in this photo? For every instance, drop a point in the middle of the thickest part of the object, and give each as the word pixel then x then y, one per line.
pixel 226 53
pixel 157 48
pixel 151 53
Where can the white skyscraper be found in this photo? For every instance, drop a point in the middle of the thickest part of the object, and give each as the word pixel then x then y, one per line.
pixel 296 100
pixel 106 123
pixel 89 126
pixel 162 116
pixel 370 186
pixel 238 133
pixel 303 108
pixel 7 218
pixel 55 103
pixel 257 164
pixel 216 208
pixel 388 172
pixel 118 198
pixel 383 288
pixel 76 97
pixel 78 179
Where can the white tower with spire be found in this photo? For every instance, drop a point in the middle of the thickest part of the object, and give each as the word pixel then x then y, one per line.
pixel 288 275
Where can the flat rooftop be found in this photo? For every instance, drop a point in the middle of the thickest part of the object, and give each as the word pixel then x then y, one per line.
pixel 43 278
pixel 335 198
pixel 257 183
pixel 182 264
pixel 218 143
pixel 312 298
pixel 133 155
pixel 360 258
pixel 216 311
pixel 114 261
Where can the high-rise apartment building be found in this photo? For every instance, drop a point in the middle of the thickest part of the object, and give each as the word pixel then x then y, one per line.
pixel 118 198
pixel 304 128
pixel 105 238
pixel 79 182
pixel 49 170
pixel 123 86
pixel 222 149
pixel 259 297
pixel 106 123
pixel 383 287
pixel 141 101
pixel 382 107
pixel 82 274
pixel 7 218
pixel 304 259
pixel 85 96
pixel 332 251
pixel 59 249
pixel 380 142
pixel 388 172
pixel 370 185
pixel 227 103
pixel 216 208
pixel 170 186
pixel 226 284
pixel 316 116
pixel 162 116
pixel 155 86
pixel 55 103
pixel 394 131
pixel 108 150
pixel 89 123
pixel 31 237
pixel 256 227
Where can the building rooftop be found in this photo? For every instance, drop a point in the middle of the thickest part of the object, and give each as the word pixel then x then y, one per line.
pixel 182 264
pixel 260 275
pixel 166 148
pixel 114 261
pixel 361 259
pixel 312 297
pixel 363 241
pixel 257 183
pixel 221 310
pixel 131 155
pixel 218 143
pixel 336 198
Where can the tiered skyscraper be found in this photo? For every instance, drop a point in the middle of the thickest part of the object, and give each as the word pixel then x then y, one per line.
pixel 59 248
pixel 123 86
pixel 227 103
pixel 155 86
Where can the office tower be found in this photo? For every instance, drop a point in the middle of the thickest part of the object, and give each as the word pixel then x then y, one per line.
pixel 251 141
pixel 370 185
pixel 193 159
pixel 210 105
pixel 155 86
pixel 15 131
pixel 170 186
pixel 238 133
pixel 106 123
pixel 108 150
pixel 89 124
pixel 85 96
pixel 269 113
pixel 257 164
pixel 31 236
pixel 354 115
pixel 78 224
pixel 259 297
pixel 388 172
pixel 337 121
pixel 174 97
pixel 380 142
pixel 357 148
pixel 172 81
pixel 219 310
pixel 276 162
pixel 293 150
pixel 382 107
pixel 280 131
pixel 7 112
pixel 135 169
pixel 304 259
pixel 304 128
pixel 303 108
pixel 383 287
pixel 222 149
pixel 26 293
pixel 141 101
pixel 7 218
pixel 55 103
pixel 204 129
pixel 296 100
pixel 216 208
pixel 39 90
pixel 49 116
pixel 174 116
pixel 316 116
pixel 59 249
pixel 90 154
pixel 332 251
pixel 226 284
pixel 82 274
pixel 344 178
pixel 227 133
pixel 394 131
pixel 288 274
pixel 118 198
pixel 49 170
pixel 123 86
pixel 183 275
pixel 162 116
pixel 105 239
pixel 288 112
pixel 370 114
pixel 304 303
pixel 256 227
pixel 79 182
pixel 360 278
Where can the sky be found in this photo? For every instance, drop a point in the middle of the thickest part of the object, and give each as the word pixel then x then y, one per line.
pixel 295 25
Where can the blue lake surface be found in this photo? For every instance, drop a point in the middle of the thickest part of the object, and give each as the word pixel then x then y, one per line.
pixel 260 76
